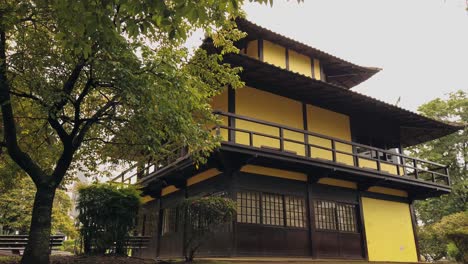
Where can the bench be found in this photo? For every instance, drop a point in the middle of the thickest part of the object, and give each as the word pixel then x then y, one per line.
pixel 17 243
pixel 137 242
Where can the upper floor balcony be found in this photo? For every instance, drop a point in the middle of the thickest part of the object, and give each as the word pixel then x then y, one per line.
pixel 255 137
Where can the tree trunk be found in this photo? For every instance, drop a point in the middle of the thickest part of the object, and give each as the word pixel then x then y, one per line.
pixel 38 249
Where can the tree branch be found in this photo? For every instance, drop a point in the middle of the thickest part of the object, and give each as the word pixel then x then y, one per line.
pixel 9 133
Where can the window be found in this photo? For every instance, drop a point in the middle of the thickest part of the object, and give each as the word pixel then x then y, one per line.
pixel 295 211
pixel 346 217
pixel 271 209
pixel 169 223
pixel 248 207
pixel 335 216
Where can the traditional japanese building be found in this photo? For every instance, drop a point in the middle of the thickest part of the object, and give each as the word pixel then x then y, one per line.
pixel 317 169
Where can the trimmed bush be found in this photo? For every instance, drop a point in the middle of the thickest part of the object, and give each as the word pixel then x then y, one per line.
pixel 107 215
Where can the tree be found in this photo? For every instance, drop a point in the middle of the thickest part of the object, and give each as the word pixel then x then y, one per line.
pixel 107 215
pixel 202 219
pixel 79 76
pixel 454 228
pixel 453 151
pixel 16 204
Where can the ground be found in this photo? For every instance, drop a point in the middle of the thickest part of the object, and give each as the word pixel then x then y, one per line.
pixel 126 260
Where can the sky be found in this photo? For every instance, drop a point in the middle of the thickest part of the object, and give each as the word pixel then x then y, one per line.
pixel 421 45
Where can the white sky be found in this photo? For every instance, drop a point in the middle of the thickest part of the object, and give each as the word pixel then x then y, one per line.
pixel 422 45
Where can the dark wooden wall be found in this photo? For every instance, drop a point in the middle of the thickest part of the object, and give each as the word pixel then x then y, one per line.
pixel 241 239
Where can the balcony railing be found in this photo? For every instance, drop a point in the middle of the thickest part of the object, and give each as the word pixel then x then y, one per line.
pixel 276 138
pixel 268 136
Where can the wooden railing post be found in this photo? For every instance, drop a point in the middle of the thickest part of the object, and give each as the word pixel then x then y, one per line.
pixel 416 172
pixel 378 160
pixel 333 150
pixel 281 136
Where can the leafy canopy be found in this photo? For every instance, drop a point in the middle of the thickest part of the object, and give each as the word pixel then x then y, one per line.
pixel 451 150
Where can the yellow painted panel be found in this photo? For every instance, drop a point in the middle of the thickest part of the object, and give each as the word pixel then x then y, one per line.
pixel 388 191
pixel 337 182
pixel 146 199
pixel 299 63
pixel 331 124
pixel 252 49
pixel 220 102
pixel 274 54
pixel 203 176
pixel 367 163
pixel 372 164
pixel 273 108
pixel 389 231
pixel 390 168
pixel 169 189
pixel 291 175
pixel 317 71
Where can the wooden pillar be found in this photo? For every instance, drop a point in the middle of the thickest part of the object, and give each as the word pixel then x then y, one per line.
pixel 310 215
pixel 414 222
pixel 362 227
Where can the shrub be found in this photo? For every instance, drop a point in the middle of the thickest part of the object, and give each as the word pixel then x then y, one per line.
pixel 202 217
pixel 107 215
pixel 454 228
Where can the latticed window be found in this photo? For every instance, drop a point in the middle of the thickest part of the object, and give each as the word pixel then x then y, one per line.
pixel 325 215
pixel 335 216
pixel 169 223
pixel 272 209
pixel 248 207
pixel 295 211
pixel 346 217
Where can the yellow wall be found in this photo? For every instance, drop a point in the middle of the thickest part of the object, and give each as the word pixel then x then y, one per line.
pixel 337 182
pixel 299 63
pixel 317 71
pixel 169 189
pixel 273 108
pixel 389 231
pixel 203 176
pixel 220 102
pixel 290 175
pixel 388 191
pixel 252 49
pixel 332 124
pixel 274 54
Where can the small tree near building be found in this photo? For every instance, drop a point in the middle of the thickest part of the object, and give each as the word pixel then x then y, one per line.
pixel 202 218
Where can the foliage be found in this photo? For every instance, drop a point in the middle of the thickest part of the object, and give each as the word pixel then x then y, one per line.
pixel 430 244
pixel 82 81
pixel 454 228
pixel 453 151
pixel 107 215
pixel 16 204
pixel 202 218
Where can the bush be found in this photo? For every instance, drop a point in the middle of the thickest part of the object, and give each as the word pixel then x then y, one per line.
pixel 202 217
pixel 454 228
pixel 107 215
